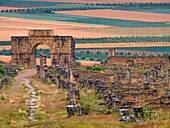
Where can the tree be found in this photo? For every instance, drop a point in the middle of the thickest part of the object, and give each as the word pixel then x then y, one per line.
pixel 1 70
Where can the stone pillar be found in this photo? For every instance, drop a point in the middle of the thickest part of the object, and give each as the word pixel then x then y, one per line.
pixel 128 75
pixel 156 75
pixel 111 52
pixel 68 75
pixel 153 74
pixel 74 76
pixel 33 60
pixel 43 67
pixel 19 59
pixel 162 70
pixel 53 61
pixel 168 72
pixel 146 77
pixel 168 76
pixel 26 61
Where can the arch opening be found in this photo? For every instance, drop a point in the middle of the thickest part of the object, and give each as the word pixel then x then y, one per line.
pixel 41 48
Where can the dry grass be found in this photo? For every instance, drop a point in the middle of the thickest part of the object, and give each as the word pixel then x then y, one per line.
pixel 5 59
pixel 52 112
pixel 88 63
pixel 122 15
pixel 5 47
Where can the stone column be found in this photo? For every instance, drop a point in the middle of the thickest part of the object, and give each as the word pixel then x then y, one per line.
pixel 32 60
pixel 156 75
pixel 146 77
pixel 53 60
pixel 162 70
pixel 111 52
pixel 168 72
pixel 153 74
pixel 20 59
pixel 128 75
pixel 168 76
pixel 26 56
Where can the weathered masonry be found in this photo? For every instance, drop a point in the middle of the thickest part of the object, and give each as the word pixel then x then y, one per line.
pixel 62 48
pixel 138 61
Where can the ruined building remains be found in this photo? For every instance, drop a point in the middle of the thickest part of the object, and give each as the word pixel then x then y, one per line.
pixel 62 48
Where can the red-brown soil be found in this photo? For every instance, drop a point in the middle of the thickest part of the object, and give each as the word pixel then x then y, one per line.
pixel 122 15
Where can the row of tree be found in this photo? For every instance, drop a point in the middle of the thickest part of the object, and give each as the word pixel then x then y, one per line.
pixel 5 43
pixel 52 10
pixel 87 7
pixel 139 4
pixel 123 39
pixel 82 55
pixel 113 40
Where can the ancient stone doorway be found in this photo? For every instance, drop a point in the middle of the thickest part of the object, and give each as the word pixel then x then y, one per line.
pixel 62 48
pixel 42 48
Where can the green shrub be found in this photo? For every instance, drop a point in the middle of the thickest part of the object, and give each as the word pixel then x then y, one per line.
pixel 1 70
pixel 96 68
pixel 2 98
pixel 78 63
pixel 7 122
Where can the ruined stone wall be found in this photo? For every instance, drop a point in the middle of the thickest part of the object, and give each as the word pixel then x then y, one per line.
pixel 62 48
pixel 137 60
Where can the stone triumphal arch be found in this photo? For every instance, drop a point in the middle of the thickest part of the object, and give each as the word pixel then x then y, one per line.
pixel 62 48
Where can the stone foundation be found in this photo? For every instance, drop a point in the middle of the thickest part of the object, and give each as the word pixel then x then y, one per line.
pixel 137 60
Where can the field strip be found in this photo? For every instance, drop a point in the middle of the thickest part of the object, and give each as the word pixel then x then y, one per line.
pixel 5 7
pixel 19 27
pixel 5 47
pixel 83 62
pixel 123 45
pixel 106 1
pixel 121 15
pixel 108 45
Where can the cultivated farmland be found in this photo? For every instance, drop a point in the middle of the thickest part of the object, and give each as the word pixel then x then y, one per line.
pixel 106 1
pixel 17 26
pixel 84 19
pixel 121 15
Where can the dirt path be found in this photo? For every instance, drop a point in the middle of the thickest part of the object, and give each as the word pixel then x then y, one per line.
pixel 25 73
pixel 51 97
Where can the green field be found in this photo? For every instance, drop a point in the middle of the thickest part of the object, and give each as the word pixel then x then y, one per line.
pixel 140 7
pixel 126 39
pixel 29 3
pixel 152 10
pixel 96 56
pixel 44 11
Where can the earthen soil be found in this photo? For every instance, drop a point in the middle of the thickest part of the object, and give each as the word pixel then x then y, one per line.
pixel 121 15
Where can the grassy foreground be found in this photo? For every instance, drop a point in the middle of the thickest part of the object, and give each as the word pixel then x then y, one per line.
pixel 52 113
